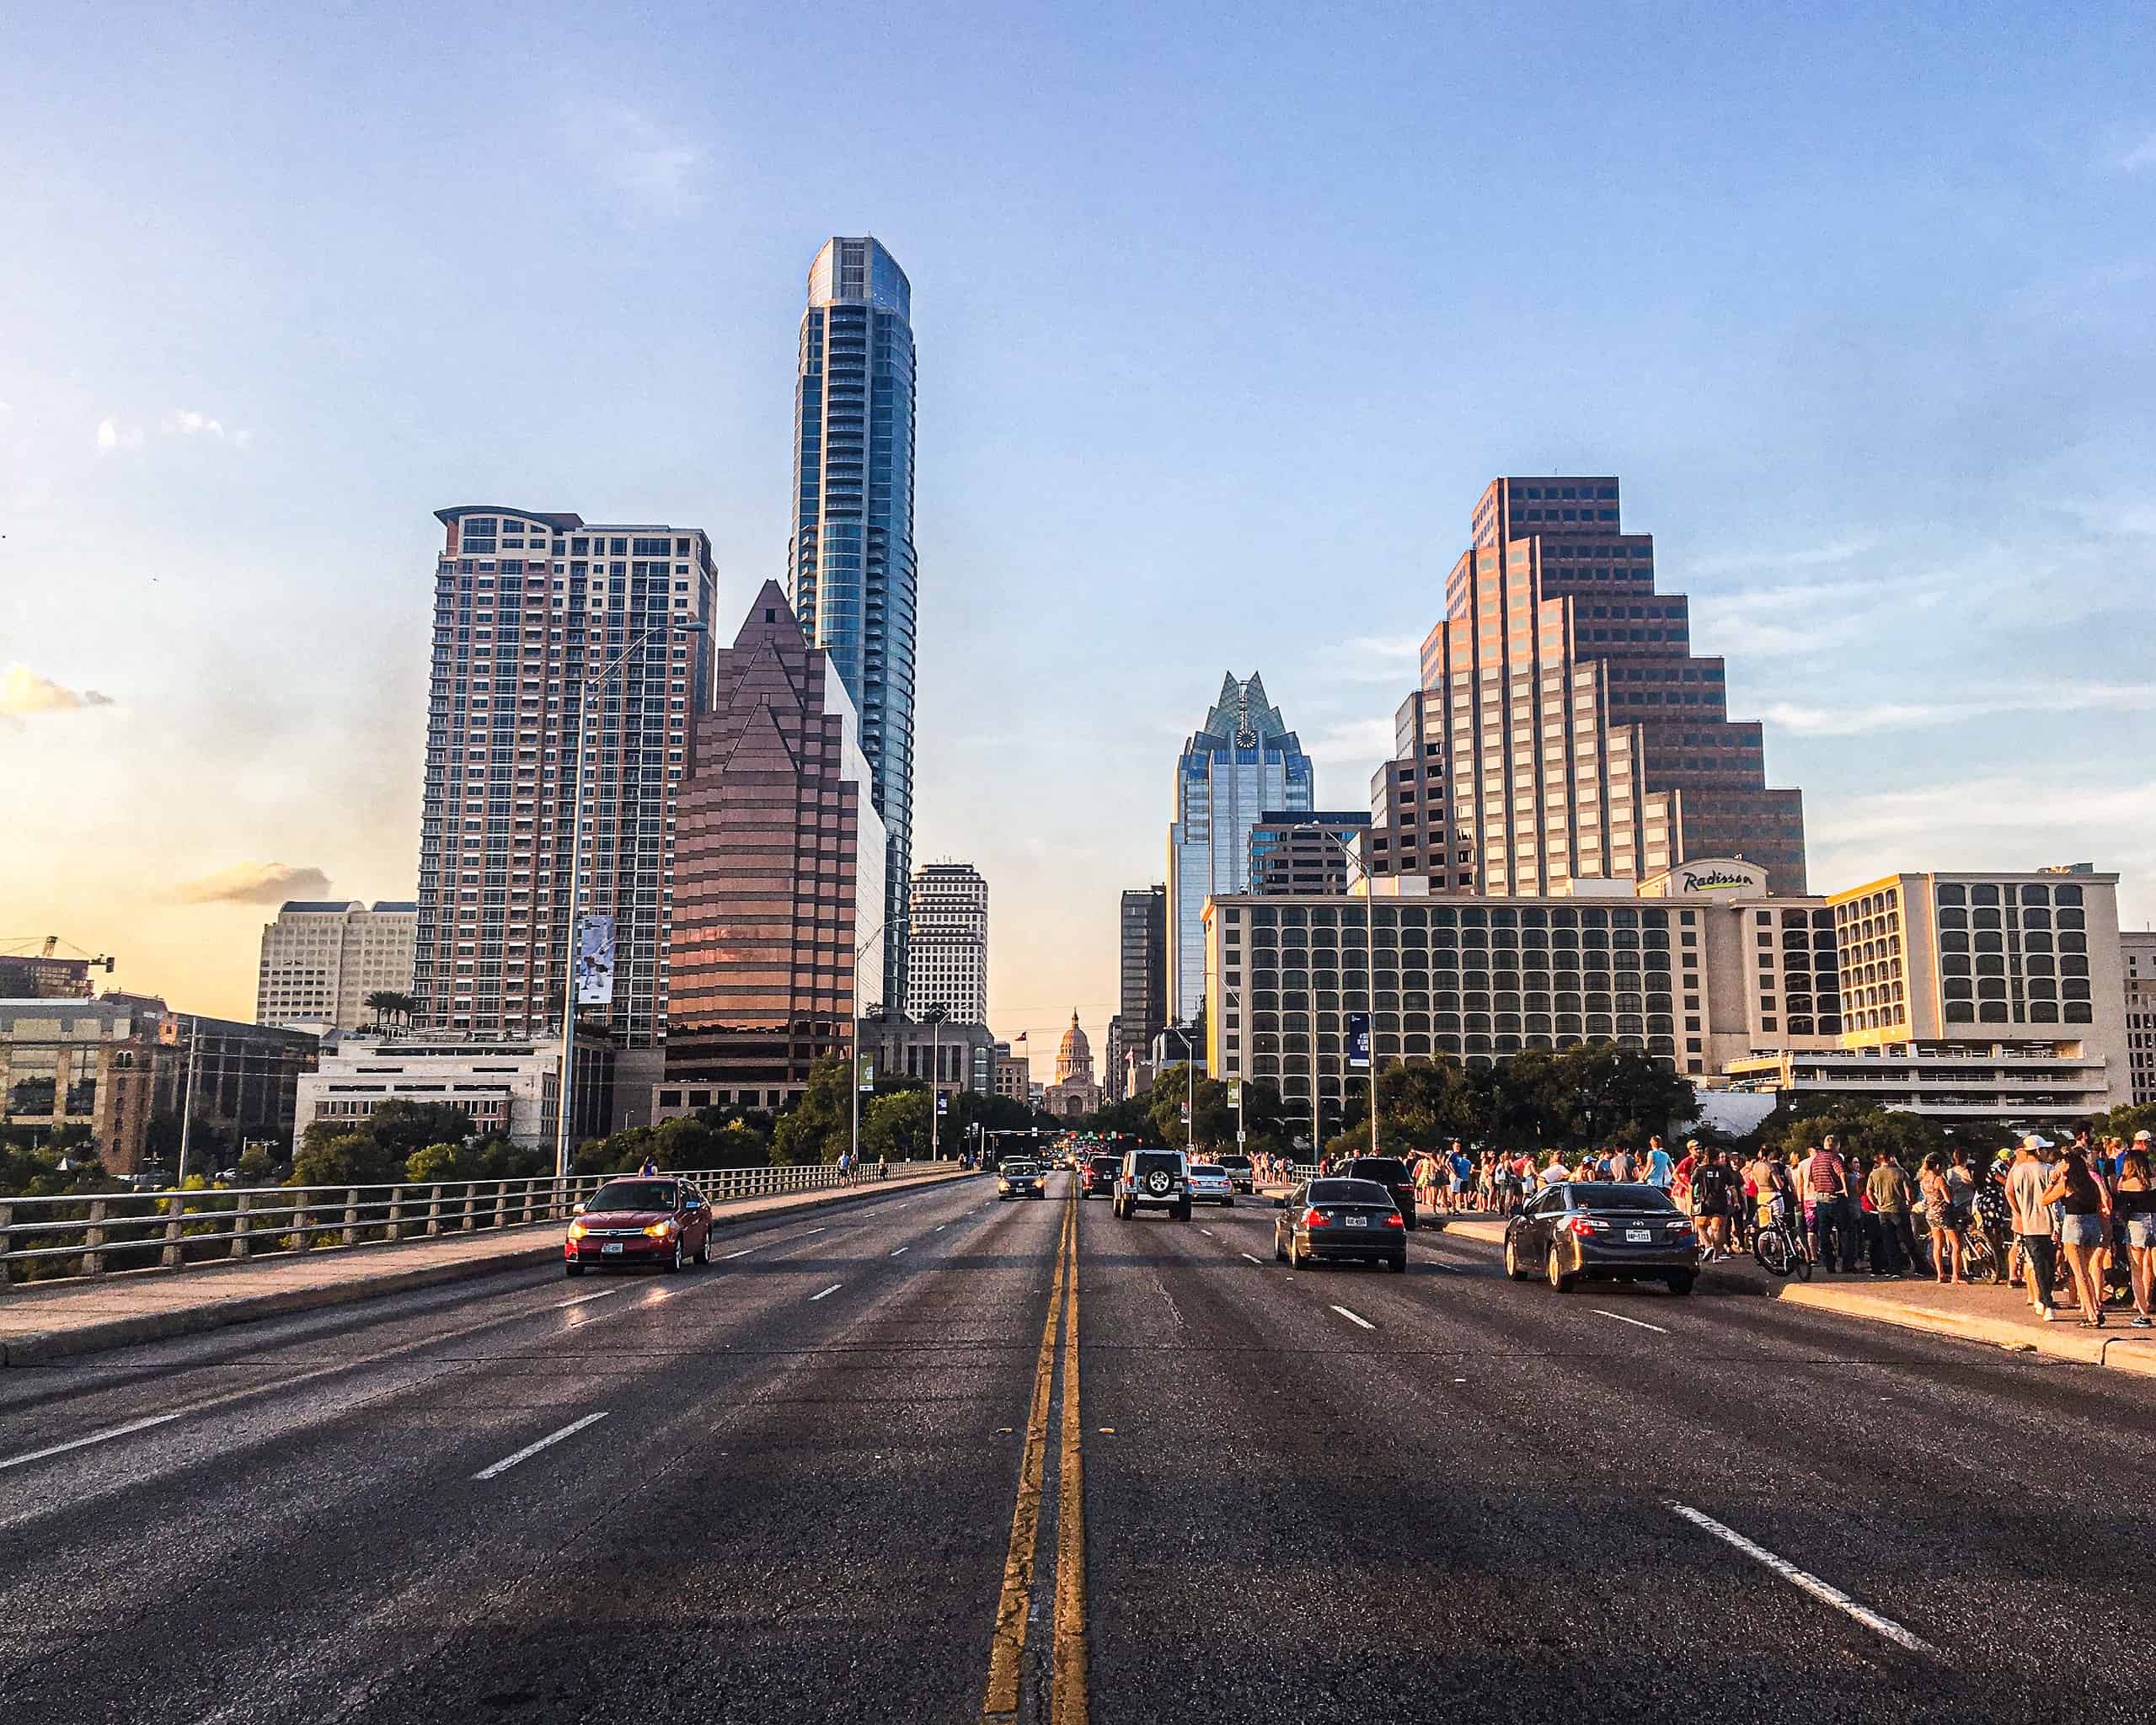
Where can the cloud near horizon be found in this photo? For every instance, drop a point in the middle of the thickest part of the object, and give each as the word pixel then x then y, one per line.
pixel 255 883
pixel 23 691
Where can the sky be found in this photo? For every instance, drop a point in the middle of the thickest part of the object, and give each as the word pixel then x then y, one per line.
pixel 1224 316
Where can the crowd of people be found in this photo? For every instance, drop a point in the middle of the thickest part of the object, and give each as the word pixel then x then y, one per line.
pixel 2077 1219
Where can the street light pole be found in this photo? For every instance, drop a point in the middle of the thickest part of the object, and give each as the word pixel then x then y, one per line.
pixel 586 685
pixel 935 1016
pixel 853 1044
pixel 1370 970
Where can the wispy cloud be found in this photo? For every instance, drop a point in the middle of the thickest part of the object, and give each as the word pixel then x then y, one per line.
pixel 659 173
pixel 1363 743
pixel 22 691
pixel 2141 157
pixel 254 884
pixel 189 424
pixel 1859 718
pixel 1811 558
pixel 111 434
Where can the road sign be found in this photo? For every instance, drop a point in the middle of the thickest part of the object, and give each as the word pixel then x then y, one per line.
pixel 1358 1041
pixel 1240 1135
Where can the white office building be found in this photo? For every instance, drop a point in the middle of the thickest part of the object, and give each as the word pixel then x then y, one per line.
pixel 950 962
pixel 321 960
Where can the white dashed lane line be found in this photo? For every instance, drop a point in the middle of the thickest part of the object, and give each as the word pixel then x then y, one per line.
pixel 1353 1319
pixel 901 1249
pixel 832 1289
pixel 118 1431
pixel 1809 1584
pixel 584 1299
pixel 1639 1321
pixel 548 1442
pixel 1259 1262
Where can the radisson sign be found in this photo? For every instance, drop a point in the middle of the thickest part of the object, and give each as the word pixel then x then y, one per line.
pixel 1713 876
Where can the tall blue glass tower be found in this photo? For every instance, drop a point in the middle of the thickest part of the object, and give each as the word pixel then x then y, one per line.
pixel 850 562
pixel 1241 763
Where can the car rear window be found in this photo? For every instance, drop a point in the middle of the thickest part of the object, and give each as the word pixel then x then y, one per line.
pixel 1388 1169
pixel 1207 1168
pixel 1102 1163
pixel 1236 1163
pixel 633 1194
pixel 1594 1195
pixel 1159 1159
pixel 1348 1192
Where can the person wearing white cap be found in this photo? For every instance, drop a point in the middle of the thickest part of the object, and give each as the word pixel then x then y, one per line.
pixel 2025 1186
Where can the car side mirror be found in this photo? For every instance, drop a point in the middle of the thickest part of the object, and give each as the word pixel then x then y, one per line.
pixel 577 1209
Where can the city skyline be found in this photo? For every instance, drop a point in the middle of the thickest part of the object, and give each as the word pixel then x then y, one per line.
pixel 1906 549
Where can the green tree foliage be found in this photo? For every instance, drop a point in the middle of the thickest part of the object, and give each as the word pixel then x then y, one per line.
pixel 1132 1117
pixel 897 1127
pixel 817 1127
pixel 404 1128
pixel 353 1160
pixel 1425 1104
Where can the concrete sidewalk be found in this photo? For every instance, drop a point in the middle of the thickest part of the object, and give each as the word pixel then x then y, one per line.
pixel 1999 1316
pixel 47 1320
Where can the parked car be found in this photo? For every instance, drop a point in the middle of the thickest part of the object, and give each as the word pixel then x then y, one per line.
pixel 1594 1231
pixel 1333 1220
pixel 639 1220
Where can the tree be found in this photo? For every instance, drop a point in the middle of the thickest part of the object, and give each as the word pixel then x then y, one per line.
pixel 402 1128
pixel 384 1003
pixel 897 1126
pixel 814 1130
pixel 354 1160
pixel 1425 1104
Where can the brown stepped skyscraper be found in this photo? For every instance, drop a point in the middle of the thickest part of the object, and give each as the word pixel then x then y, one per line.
pixel 1565 728
pixel 778 861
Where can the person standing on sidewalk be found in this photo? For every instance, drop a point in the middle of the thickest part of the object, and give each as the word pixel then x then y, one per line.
pixel 1888 1187
pixel 1824 1186
pixel 2084 1225
pixel 2133 1202
pixel 2026 1184
pixel 1660 1170
pixel 1943 1218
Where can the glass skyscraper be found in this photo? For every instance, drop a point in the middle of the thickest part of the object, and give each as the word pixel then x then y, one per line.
pixel 850 569
pixel 1241 765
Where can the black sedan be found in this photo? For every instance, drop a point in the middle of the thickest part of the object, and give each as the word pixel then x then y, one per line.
pixel 1341 1221
pixel 1017 1179
pixel 1097 1174
pixel 1597 1231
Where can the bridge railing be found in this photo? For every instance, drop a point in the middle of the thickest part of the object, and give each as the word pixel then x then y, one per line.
pixel 95 1234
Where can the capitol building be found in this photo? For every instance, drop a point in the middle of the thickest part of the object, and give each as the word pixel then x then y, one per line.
pixel 1073 1093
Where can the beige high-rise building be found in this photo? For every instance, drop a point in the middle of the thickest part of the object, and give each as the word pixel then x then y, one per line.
pixel 1564 728
pixel 321 960
pixel 2137 957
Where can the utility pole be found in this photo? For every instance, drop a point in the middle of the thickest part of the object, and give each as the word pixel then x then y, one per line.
pixel 854 1042
pixel 1370 972
pixel 935 1015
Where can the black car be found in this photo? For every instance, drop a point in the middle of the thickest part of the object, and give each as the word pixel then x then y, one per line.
pixel 1097 1174
pixel 1242 1172
pixel 1390 1173
pixel 1018 1179
pixel 1152 1179
pixel 1345 1221
pixel 1596 1231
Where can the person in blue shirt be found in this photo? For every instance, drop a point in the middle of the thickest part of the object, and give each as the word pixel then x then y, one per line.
pixel 1660 1170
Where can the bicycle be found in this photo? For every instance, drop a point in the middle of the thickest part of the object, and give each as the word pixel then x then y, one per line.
pixel 1780 1250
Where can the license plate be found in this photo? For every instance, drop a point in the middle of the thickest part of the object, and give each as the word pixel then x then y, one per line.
pixel 1639 1237
pixel 611 1246
pixel 1357 1221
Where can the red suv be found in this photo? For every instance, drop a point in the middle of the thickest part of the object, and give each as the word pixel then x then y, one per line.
pixel 642 1220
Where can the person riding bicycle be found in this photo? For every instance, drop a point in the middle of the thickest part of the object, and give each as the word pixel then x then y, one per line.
pixel 1773 1192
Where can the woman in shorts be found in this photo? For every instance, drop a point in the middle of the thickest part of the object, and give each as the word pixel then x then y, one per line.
pixel 2134 1205
pixel 1943 1216
pixel 2084 1212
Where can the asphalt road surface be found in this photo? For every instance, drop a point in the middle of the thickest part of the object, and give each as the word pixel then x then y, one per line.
pixel 840 1476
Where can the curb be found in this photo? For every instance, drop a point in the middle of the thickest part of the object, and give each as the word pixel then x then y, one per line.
pixel 2129 1353
pixel 41 1347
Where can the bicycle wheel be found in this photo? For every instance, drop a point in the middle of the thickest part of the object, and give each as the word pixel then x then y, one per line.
pixel 1770 1247
pixel 1800 1262
pixel 1979 1261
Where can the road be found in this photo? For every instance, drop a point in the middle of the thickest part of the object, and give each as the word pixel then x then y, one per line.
pixel 837 1476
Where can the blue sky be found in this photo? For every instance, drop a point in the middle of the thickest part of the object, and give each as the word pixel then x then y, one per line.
pixel 1224 314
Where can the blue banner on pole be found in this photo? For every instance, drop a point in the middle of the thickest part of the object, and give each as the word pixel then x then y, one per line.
pixel 1358 1041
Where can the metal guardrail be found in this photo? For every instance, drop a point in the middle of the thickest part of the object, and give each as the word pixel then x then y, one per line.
pixel 110 1231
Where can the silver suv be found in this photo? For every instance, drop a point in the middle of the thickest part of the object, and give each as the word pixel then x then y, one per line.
pixel 1153 1179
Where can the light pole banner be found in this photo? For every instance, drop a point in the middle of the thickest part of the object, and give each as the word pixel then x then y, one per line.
pixel 865 1080
pixel 595 962
pixel 1358 1041
pixel 1235 1092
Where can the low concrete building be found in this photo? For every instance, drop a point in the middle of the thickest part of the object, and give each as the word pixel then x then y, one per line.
pixel 2137 959
pixel 1013 1074
pixel 512 1087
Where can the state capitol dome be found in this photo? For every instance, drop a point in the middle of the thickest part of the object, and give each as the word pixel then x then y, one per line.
pixel 1075 1058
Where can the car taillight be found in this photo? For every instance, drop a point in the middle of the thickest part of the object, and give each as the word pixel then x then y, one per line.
pixel 1680 1226
pixel 1582 1225
pixel 1394 1221
pixel 1315 1219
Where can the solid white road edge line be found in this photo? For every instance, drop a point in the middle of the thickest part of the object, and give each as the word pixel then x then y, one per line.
pixel 531 1449
pixel 1809 1584
pixel 583 1300
pixel 1621 1319
pixel 1353 1319
pixel 832 1289
pixel 118 1431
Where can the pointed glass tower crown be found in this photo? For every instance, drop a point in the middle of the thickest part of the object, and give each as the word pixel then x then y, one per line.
pixel 850 567
pixel 1242 764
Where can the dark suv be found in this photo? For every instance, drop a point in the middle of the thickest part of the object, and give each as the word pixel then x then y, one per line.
pixel 1153 1179
pixel 1241 1170
pixel 1390 1173
pixel 1097 1174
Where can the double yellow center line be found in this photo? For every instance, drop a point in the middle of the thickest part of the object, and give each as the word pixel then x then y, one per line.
pixel 1006 1647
